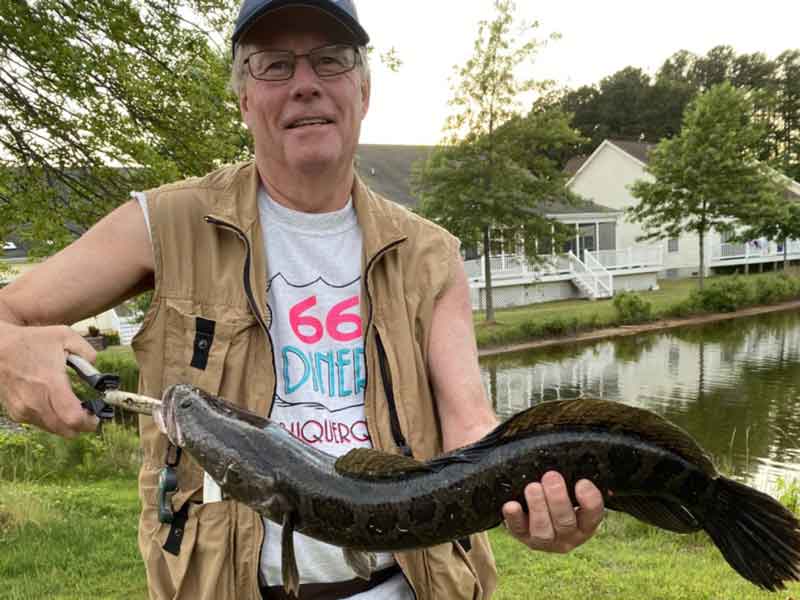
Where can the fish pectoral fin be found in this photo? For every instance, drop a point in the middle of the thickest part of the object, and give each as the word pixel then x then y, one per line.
pixel 362 563
pixel 291 577
pixel 660 512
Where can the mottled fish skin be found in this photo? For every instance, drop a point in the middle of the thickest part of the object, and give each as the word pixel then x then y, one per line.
pixel 260 464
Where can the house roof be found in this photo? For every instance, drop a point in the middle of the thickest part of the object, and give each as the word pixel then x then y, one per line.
pixel 582 206
pixel 575 163
pixel 387 169
pixel 638 150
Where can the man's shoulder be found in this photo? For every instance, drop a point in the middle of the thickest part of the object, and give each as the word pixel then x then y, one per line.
pixel 408 221
pixel 219 179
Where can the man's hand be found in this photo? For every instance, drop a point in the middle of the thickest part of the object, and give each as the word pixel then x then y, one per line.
pixel 552 523
pixel 34 387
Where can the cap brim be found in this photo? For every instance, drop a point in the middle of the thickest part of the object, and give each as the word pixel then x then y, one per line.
pixel 247 22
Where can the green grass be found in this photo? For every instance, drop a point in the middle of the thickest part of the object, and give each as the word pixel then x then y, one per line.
pixel 560 318
pixel 70 542
pixel 626 560
pixel 73 542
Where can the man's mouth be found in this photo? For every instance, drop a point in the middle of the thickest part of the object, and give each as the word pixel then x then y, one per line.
pixel 308 122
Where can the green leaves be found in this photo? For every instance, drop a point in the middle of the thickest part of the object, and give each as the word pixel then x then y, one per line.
pixel 495 166
pixel 100 98
pixel 708 175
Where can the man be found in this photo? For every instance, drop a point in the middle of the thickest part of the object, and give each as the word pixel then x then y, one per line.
pixel 287 286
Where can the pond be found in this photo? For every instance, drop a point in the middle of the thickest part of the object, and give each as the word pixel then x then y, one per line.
pixel 734 386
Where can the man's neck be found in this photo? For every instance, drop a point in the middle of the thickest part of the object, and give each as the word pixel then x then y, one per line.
pixel 313 193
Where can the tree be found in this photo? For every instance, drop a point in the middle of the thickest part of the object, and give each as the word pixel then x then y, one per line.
pixel 99 98
pixel 492 170
pixel 708 175
pixel 778 222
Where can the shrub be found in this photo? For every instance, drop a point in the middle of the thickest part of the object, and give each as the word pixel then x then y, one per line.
pixel 726 295
pixel 112 339
pixel 780 288
pixel 38 456
pixel 632 308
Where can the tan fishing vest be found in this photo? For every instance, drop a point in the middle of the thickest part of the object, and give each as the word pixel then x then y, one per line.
pixel 208 326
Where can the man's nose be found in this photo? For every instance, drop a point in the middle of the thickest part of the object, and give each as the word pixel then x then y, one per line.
pixel 305 81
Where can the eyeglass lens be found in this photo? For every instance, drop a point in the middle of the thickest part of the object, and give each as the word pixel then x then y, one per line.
pixel 277 65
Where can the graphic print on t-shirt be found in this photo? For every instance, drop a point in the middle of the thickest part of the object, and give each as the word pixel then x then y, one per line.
pixel 320 362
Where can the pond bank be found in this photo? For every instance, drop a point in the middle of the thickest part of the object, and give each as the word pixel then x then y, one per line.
pixel 627 330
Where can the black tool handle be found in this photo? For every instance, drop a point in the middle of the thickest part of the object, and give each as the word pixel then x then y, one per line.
pixel 98 381
pixel 94 378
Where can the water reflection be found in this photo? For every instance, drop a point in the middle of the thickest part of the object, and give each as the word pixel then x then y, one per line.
pixel 735 386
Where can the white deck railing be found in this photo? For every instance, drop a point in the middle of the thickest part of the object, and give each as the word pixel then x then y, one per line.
pixel 756 249
pixel 603 278
pixel 510 266
pixel 635 257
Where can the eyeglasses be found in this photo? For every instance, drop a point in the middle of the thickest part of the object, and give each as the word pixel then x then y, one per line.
pixel 279 65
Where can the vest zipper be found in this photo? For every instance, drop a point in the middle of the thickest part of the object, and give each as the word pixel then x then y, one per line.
pixel 387 385
pixel 383 363
pixel 386 377
pixel 248 289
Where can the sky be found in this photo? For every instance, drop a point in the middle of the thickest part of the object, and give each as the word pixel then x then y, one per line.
pixel 597 39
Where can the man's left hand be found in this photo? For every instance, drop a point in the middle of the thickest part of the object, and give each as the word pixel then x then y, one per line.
pixel 552 523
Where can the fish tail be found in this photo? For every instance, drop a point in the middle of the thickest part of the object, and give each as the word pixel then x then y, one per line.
pixel 757 535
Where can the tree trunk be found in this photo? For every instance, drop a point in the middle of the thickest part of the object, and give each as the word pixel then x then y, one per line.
pixel 702 271
pixel 487 275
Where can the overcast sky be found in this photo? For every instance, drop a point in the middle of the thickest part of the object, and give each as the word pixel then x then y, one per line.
pixel 598 39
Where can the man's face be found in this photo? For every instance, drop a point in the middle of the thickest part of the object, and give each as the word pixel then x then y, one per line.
pixel 274 110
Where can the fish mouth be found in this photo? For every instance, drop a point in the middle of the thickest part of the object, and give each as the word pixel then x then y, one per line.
pixel 176 397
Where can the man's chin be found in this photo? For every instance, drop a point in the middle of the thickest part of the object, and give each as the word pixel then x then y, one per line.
pixel 315 160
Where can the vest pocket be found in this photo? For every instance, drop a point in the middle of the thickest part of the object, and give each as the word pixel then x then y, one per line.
pixel 203 569
pixel 197 345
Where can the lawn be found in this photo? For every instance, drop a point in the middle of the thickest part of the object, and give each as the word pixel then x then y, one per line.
pixel 78 541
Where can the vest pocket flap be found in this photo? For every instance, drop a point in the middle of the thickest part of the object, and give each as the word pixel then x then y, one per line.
pixel 197 345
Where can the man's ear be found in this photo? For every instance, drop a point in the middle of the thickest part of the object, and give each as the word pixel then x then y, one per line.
pixel 365 92
pixel 243 103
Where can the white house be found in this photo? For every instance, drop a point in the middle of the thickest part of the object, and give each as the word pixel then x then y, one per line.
pixel 605 177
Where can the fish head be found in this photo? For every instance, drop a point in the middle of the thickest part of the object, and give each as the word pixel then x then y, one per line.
pixel 179 403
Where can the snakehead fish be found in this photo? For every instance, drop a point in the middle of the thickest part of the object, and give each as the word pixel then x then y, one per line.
pixel 368 501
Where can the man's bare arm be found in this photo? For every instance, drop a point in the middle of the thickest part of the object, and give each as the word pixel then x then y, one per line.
pixel 551 524
pixel 110 262
pixel 104 266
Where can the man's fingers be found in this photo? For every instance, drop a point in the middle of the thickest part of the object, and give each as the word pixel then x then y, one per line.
pixel 540 521
pixel 515 518
pixel 559 504
pixel 591 504
pixel 74 343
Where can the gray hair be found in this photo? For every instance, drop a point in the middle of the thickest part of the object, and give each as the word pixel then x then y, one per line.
pixel 243 50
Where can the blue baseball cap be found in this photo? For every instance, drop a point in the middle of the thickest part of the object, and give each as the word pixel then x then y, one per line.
pixel 343 11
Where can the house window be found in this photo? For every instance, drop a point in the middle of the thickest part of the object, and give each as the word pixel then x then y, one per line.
pixel 672 245
pixel 608 236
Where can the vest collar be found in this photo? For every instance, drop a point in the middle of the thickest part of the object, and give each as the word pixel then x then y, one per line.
pixel 238 204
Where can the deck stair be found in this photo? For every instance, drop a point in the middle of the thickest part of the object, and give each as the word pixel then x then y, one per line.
pixel 591 278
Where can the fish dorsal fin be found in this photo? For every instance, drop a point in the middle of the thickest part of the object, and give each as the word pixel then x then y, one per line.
pixel 613 417
pixel 368 463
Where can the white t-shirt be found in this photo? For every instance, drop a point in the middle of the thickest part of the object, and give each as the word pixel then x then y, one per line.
pixel 314 291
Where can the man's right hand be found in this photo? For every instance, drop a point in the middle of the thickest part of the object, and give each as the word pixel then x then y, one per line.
pixel 34 386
